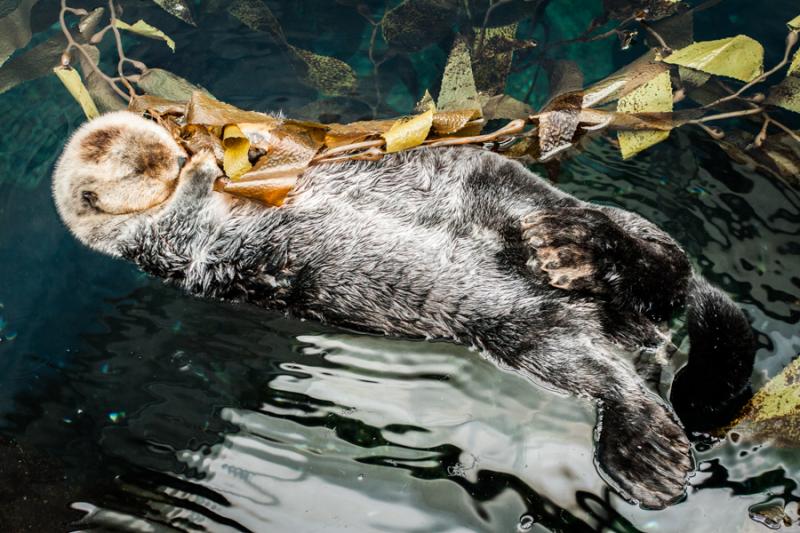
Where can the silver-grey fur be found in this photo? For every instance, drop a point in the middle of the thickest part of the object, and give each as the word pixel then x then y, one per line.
pixel 450 243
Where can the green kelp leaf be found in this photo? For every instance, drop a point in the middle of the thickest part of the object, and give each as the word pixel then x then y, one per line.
pixel 72 81
pixel 786 94
pixel 142 103
pixel 503 106
pixel 774 411
pixel 15 30
pixel 624 81
pixel 778 156
pixel 165 84
pixel 493 56
pixel 257 16
pixel 101 92
pixel 458 89
pixel 327 74
pixel 794 24
pixel 88 23
pixel 144 29
pixel 739 57
pixel 409 132
pixel 653 96
pixel 7 7
pixel 33 64
pixel 782 154
pixel 177 8
pixel 415 24
pixel 425 102
pixel 452 122
pixel 794 67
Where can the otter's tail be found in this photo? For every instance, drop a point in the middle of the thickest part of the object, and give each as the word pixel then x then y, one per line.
pixel 714 384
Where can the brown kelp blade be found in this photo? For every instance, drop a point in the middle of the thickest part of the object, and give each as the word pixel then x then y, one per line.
pixel 263 155
pixel 202 109
pixel 270 191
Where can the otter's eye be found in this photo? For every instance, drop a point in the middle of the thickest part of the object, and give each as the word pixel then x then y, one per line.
pixel 89 199
pixel 181 162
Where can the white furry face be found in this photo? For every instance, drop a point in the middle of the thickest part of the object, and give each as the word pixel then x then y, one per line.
pixel 115 166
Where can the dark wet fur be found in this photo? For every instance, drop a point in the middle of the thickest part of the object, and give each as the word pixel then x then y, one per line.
pixel 721 338
pixel 447 243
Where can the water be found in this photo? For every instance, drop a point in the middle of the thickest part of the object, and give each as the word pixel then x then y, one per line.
pixel 130 406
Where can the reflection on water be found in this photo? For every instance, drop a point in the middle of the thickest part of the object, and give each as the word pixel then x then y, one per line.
pixel 138 408
pixel 326 429
pixel 337 431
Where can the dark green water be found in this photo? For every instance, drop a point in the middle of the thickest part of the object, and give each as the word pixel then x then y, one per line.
pixel 134 407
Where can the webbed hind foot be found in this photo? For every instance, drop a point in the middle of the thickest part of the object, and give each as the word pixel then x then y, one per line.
pixel 644 451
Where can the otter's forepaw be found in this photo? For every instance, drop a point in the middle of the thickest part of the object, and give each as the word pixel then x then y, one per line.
pixel 202 166
pixel 572 246
pixel 645 453
pixel 567 267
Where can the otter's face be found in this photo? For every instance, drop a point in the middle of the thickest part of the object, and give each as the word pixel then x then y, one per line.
pixel 114 167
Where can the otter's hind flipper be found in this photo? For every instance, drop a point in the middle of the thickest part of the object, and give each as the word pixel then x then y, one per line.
pixel 714 384
pixel 643 451
pixel 641 448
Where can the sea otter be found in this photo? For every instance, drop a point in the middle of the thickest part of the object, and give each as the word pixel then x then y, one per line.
pixel 451 243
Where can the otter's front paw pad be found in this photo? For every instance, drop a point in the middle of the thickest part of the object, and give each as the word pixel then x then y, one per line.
pixel 645 453
pixel 567 267
pixel 571 246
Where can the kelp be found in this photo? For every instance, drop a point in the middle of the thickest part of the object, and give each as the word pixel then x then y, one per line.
pixel 262 156
pixel 140 27
pixel 494 54
pixel 165 84
pixel 177 8
pixel 653 96
pixel 774 411
pixel 33 64
pixel 72 81
pixel 415 24
pixel 258 147
pixel 738 57
pixel 786 94
pixel 15 31
pixel 458 89
pixel 327 74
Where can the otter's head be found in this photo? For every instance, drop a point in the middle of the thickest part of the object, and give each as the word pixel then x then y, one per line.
pixel 113 168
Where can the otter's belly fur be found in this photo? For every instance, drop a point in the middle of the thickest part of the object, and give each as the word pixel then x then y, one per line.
pixel 456 244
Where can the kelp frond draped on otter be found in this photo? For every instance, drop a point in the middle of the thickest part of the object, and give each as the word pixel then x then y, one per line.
pixel 448 243
pixel 263 156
